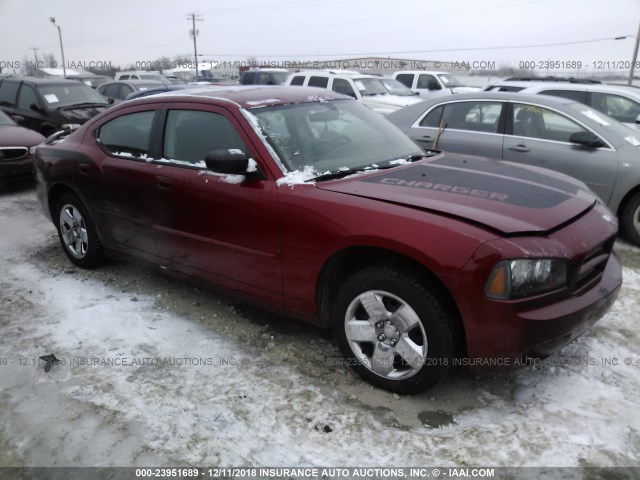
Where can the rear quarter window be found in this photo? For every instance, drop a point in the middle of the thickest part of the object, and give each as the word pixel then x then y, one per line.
pixel 298 80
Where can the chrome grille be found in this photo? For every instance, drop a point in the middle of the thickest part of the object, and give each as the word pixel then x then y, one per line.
pixel 13 153
pixel 592 266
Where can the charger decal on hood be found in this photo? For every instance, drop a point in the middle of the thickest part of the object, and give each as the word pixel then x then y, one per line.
pixel 469 183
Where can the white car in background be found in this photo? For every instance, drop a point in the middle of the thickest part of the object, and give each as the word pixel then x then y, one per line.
pixel 368 89
pixel 621 102
pixel 430 84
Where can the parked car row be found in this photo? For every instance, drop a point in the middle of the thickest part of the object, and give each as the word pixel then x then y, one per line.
pixel 311 204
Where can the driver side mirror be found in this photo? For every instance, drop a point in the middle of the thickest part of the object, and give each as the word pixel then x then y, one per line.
pixel 638 119
pixel 35 108
pixel 586 139
pixel 230 161
pixel 111 100
pixel 433 85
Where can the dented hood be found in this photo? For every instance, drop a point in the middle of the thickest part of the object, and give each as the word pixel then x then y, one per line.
pixel 499 195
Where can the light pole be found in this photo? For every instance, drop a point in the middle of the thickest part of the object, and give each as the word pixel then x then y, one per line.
pixel 64 68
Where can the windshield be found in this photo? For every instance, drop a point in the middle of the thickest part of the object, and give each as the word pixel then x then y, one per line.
pixel 370 86
pixel 56 96
pixel 394 87
pixel 5 119
pixel 450 81
pixel 330 136
pixel 610 125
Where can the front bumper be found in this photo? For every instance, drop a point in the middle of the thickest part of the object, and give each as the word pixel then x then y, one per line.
pixel 16 169
pixel 509 333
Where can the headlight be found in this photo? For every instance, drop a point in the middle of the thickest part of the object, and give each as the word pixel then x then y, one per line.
pixel 526 277
pixel 32 150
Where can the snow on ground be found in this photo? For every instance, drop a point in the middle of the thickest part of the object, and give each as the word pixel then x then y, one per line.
pixel 165 374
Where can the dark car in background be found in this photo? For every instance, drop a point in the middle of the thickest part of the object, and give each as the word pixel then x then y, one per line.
pixel 312 204
pixel 538 130
pixel 16 150
pixel 47 105
pixel 117 91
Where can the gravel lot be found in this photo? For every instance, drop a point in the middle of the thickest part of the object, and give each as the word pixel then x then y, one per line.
pixel 156 372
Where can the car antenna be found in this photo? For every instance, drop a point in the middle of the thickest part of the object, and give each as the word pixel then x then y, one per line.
pixel 441 128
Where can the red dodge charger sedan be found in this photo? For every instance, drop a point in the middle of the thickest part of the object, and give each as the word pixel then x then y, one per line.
pixel 311 204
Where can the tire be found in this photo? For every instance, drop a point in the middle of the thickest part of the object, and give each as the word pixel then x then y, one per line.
pixel 630 219
pixel 77 232
pixel 417 346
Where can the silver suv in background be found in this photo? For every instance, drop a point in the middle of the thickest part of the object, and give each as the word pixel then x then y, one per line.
pixel 379 94
pixel 621 102
pixel 432 84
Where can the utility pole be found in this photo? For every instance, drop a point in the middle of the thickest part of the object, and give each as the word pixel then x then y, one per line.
pixel 35 54
pixel 635 56
pixel 194 34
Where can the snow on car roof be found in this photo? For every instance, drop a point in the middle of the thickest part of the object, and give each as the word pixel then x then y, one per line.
pixel 253 96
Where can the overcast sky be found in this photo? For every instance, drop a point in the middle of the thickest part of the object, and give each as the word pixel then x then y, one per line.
pixel 124 32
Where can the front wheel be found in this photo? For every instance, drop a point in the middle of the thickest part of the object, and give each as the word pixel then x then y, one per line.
pixel 394 329
pixel 630 219
pixel 77 233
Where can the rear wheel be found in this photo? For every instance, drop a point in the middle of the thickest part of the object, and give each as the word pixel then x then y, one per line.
pixel 77 233
pixel 630 219
pixel 394 329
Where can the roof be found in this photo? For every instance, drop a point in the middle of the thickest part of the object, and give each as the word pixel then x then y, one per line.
pixel 251 96
pixel 503 96
pixel 42 81
pixel 137 82
pixel 581 87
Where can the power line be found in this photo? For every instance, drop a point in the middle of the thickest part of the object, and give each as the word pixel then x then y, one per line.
pixel 416 51
pixel 194 34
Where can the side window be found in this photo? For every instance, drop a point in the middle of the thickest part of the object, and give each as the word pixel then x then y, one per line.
pixel 427 82
pixel 537 122
pixel 297 80
pixel 321 82
pixel 124 91
pixel 8 92
pixel 621 108
pixel 470 116
pixel 433 118
pixel 127 135
pixel 577 95
pixel 341 85
pixel 125 77
pixel 26 98
pixel 111 90
pixel 406 79
pixel 191 134
pixel 249 78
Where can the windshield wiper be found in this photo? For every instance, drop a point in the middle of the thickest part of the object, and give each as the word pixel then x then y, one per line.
pixel 349 171
pixel 86 104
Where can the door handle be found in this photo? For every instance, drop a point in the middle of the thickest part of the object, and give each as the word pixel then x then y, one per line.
pixel 519 148
pixel 163 183
pixel 426 138
pixel 84 168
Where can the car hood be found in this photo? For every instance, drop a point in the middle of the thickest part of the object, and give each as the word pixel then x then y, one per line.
pixel 15 136
pixel 82 114
pixel 498 195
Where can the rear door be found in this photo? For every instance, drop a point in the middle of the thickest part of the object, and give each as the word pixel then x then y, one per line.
pixel 115 179
pixel 471 127
pixel 539 136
